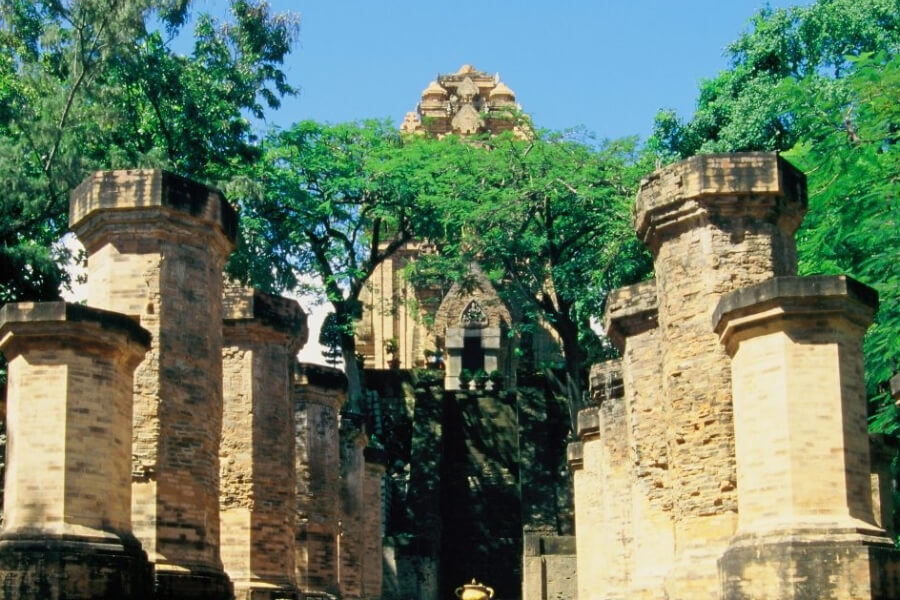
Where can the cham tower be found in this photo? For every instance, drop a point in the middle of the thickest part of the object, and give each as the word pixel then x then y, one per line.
pixel 392 330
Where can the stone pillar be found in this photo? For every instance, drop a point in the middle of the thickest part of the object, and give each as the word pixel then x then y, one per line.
pixel 261 336
pixel 590 511
pixel 350 554
pixel 806 526
pixel 631 321
pixel 714 224
pixel 156 247
pixel 602 518
pixel 373 554
pixel 319 393
pixel 67 511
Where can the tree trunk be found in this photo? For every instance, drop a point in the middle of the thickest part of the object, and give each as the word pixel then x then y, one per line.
pixel 352 371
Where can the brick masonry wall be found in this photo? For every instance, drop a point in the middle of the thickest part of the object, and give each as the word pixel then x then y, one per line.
pixel 156 248
pixel 67 526
pixel 372 570
pixel 353 441
pixel 319 392
pixel 258 469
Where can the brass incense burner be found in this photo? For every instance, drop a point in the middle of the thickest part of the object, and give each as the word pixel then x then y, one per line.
pixel 474 591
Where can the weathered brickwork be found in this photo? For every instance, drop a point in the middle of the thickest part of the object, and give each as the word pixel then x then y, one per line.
pixel 751 474
pixel 632 323
pixel 319 394
pixel 799 390
pixel 351 508
pixel 372 524
pixel 156 247
pixel 714 224
pixel 67 515
pixel 262 334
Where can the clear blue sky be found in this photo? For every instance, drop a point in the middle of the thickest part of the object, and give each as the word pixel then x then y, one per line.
pixel 608 65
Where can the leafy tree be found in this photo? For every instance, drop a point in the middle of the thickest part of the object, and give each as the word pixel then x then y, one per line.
pixel 851 155
pixel 740 109
pixel 548 220
pixel 332 202
pixel 820 83
pixel 87 85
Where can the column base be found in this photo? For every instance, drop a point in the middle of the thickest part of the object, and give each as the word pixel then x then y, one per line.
pixel 251 590
pixel 192 584
pixel 36 567
pixel 811 565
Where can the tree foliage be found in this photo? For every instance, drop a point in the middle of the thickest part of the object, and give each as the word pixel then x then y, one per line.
pixel 548 221
pixel 329 203
pixel 741 109
pixel 88 84
pixel 851 154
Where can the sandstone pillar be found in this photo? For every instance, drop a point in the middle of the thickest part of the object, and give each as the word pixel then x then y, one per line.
pixel 67 511
pixel 714 224
pixel 262 334
pixel 806 526
pixel 350 555
pixel 319 393
pixel 590 513
pixel 372 504
pixel 604 437
pixel 631 321
pixel 156 247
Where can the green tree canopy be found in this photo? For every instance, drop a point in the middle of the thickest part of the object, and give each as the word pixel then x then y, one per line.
pixel 327 205
pixel 89 84
pixel 740 108
pixel 548 221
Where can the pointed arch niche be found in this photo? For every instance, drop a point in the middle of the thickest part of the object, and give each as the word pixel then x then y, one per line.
pixel 472 343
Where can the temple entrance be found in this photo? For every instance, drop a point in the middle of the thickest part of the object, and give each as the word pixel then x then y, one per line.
pixel 473 351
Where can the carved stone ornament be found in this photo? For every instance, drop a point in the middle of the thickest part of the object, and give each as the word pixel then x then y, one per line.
pixel 474 316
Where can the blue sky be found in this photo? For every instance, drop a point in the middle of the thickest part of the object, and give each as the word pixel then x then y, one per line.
pixel 608 65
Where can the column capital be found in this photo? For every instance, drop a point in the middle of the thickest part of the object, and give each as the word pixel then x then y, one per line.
pixel 120 199
pixel 791 299
pixel 606 382
pixel 46 325
pixel 575 455
pixel 587 425
pixel 248 312
pixel 631 310
pixel 722 186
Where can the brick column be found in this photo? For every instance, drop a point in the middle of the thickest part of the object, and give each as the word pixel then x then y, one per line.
pixel 802 443
pixel 631 321
pixel 319 393
pixel 156 247
pixel 262 334
pixel 373 502
pixel 67 511
pixel 714 224
pixel 350 556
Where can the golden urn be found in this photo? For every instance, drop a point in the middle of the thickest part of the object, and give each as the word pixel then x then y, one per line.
pixel 474 591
